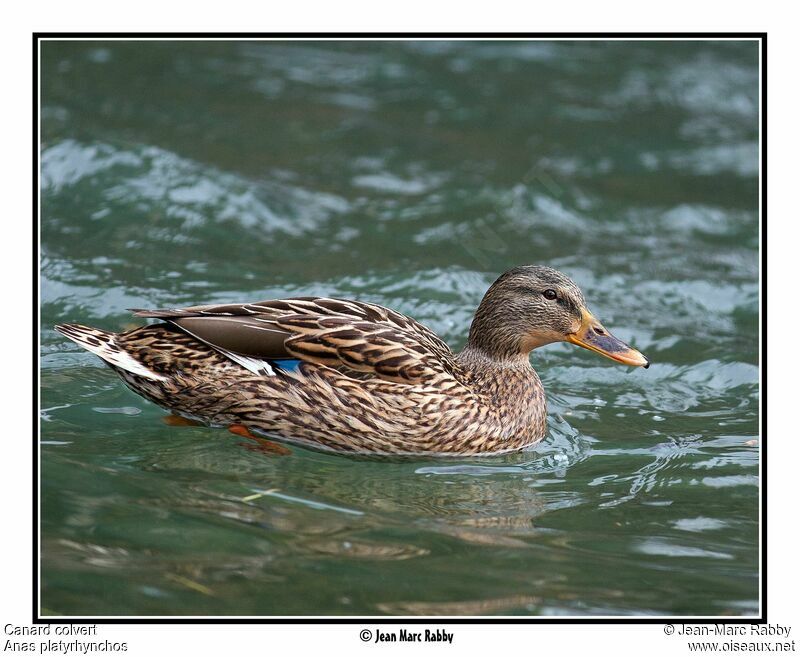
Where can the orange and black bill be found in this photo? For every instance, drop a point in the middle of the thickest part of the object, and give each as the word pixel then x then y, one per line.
pixel 594 337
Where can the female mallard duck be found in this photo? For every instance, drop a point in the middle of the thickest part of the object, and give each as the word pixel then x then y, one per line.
pixel 350 376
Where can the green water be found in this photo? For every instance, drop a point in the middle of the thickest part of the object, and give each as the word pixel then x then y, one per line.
pixel 409 174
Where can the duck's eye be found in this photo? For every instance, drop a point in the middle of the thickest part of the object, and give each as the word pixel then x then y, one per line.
pixel 550 294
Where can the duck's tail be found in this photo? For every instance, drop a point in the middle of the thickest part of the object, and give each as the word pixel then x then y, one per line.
pixel 104 344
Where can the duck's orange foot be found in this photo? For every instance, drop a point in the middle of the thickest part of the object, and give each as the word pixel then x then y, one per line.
pixel 241 430
pixel 267 447
pixel 179 421
pixel 262 444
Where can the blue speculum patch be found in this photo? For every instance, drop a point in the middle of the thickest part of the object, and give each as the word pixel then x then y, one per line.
pixel 287 364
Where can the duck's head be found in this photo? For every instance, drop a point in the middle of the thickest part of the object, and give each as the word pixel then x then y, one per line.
pixel 531 306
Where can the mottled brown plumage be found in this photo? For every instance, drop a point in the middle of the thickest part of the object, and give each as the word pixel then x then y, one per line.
pixel 356 377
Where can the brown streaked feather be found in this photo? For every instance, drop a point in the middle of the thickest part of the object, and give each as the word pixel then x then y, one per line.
pixel 363 337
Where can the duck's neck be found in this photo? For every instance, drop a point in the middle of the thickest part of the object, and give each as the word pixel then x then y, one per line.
pixel 496 341
pixel 494 376
pixel 473 358
pixel 499 371
pixel 510 389
pixel 495 358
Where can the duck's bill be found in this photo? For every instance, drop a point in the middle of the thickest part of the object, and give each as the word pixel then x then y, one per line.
pixel 594 337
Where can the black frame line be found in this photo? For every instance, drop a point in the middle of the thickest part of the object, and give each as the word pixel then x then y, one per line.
pixel 37 37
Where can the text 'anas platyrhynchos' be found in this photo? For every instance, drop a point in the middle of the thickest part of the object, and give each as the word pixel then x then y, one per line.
pixel 356 377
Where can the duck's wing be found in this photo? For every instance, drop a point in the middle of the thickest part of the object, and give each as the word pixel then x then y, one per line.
pixel 359 336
